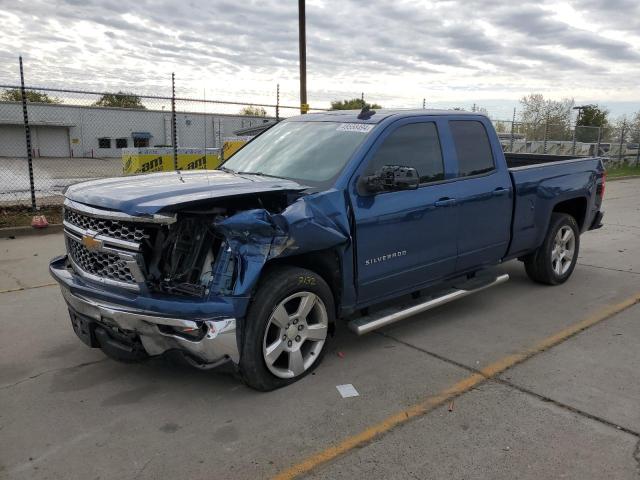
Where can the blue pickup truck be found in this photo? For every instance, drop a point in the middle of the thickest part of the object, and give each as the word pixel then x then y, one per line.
pixel 319 219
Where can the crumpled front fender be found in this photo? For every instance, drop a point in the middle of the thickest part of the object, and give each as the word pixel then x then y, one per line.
pixel 312 223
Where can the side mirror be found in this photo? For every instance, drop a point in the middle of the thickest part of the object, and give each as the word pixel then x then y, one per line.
pixel 390 178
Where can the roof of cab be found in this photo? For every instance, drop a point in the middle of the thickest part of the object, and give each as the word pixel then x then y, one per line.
pixel 351 116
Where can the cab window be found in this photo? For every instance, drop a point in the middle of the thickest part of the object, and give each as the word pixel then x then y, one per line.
pixel 414 145
pixel 472 147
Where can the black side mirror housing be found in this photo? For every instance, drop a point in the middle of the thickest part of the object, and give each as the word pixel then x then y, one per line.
pixel 390 178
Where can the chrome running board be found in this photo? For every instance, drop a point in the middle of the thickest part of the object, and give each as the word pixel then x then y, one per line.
pixel 389 315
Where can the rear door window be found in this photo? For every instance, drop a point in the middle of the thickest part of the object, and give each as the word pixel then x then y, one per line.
pixel 472 147
pixel 414 145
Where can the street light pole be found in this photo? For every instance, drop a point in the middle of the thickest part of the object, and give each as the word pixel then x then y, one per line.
pixel 302 39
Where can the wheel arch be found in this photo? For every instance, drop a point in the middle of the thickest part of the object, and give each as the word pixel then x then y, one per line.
pixel 576 207
pixel 325 263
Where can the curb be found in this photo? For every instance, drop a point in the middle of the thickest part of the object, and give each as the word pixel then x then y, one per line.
pixel 10 232
pixel 626 177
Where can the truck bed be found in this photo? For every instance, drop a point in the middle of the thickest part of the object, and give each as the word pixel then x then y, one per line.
pixel 542 181
pixel 516 160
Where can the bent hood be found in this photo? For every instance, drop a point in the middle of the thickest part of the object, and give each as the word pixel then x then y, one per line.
pixel 149 194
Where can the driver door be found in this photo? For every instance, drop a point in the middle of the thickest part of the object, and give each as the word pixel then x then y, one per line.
pixel 406 239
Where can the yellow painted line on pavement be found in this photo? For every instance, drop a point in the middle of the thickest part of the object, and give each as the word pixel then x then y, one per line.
pixel 19 289
pixel 431 402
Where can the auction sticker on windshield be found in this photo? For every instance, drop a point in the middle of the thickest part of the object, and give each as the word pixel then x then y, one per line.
pixel 355 127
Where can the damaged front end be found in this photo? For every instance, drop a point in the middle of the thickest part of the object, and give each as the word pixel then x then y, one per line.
pixel 181 280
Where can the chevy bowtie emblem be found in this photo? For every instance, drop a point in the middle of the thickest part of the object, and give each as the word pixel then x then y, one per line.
pixel 91 243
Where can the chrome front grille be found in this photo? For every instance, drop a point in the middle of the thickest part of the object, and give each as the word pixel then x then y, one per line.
pixel 105 246
pixel 117 229
pixel 100 264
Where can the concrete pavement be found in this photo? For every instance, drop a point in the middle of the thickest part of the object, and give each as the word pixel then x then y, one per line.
pixel 572 411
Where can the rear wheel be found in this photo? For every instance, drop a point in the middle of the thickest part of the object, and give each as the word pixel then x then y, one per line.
pixel 286 329
pixel 554 261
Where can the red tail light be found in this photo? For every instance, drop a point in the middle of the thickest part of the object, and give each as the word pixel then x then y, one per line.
pixel 600 189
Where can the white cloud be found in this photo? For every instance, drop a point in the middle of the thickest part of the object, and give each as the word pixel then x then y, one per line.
pixel 451 52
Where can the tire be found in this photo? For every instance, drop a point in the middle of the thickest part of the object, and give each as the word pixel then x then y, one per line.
pixel 553 262
pixel 286 328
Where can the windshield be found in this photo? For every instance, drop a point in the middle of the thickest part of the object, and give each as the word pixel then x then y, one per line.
pixel 312 152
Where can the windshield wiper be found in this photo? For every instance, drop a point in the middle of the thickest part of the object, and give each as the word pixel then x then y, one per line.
pixel 225 169
pixel 261 174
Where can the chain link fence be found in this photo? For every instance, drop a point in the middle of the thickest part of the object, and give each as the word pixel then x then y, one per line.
pixel 79 135
pixel 617 145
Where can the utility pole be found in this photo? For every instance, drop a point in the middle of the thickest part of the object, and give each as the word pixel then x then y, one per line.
pixel 302 40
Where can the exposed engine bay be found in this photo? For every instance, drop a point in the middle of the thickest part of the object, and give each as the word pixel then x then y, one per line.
pixel 191 256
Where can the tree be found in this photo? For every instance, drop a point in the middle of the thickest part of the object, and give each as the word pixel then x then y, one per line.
pixel 353 104
pixel 634 128
pixel 501 127
pixel 537 111
pixel 595 117
pixel 630 125
pixel 15 95
pixel 252 111
pixel 120 100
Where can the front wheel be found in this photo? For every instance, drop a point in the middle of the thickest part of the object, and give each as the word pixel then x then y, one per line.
pixel 553 262
pixel 287 328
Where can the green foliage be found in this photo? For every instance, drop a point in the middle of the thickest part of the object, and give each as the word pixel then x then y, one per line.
pixel 595 117
pixel 623 170
pixel 252 111
pixel 353 104
pixel 537 112
pixel 501 127
pixel 15 95
pixel 120 100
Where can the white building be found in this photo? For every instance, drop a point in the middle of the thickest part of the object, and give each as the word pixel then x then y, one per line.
pixel 59 130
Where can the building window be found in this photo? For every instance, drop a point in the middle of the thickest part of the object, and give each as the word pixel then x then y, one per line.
pixel 139 142
pixel 104 143
pixel 122 143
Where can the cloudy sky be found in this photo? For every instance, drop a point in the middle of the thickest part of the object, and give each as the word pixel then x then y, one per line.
pixel 452 52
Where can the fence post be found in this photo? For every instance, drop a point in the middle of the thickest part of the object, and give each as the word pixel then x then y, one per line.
pixel 638 149
pixel 220 145
pixel 424 103
pixel 513 123
pixel 278 102
pixel 620 156
pixel 174 136
pixel 27 132
pixel 573 146
pixel 546 135
pixel 598 142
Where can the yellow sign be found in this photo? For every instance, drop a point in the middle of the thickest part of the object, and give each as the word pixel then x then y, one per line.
pixel 231 146
pixel 304 108
pixel 148 160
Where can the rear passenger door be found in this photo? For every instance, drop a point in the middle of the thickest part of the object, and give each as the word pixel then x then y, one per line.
pixel 484 196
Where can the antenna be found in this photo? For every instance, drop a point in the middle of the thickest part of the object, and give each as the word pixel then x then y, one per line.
pixel 366 113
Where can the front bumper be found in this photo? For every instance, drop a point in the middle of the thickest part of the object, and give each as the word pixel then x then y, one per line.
pixel 153 329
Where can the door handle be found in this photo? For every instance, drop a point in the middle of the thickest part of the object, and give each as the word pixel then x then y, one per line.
pixel 499 191
pixel 445 202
